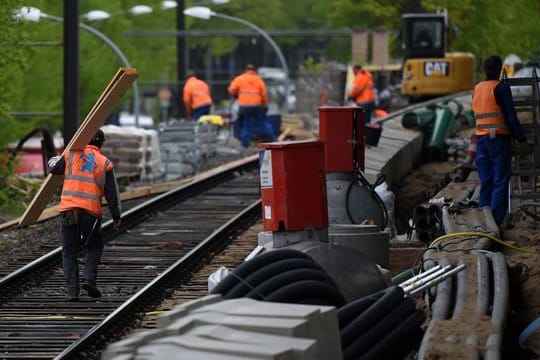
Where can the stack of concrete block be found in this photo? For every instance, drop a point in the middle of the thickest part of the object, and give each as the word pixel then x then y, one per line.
pixel 322 85
pixel 153 163
pixel 212 328
pixel 135 152
pixel 186 146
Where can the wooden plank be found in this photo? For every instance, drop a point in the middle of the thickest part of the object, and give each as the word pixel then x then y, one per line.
pixel 105 104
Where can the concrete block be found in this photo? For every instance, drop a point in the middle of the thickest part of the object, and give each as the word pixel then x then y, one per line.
pixel 183 309
pixel 303 349
pixel 321 321
pixel 256 351
pixel 279 326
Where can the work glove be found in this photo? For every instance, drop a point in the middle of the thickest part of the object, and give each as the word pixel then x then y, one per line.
pixel 524 148
pixel 52 161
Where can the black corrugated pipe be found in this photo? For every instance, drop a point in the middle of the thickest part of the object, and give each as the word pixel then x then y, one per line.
pixel 380 328
pixel 272 284
pixel 307 289
pixel 399 341
pixel 258 276
pixel 257 262
pixel 360 324
pixel 349 312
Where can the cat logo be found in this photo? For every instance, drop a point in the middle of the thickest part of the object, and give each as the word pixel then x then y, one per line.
pixel 436 68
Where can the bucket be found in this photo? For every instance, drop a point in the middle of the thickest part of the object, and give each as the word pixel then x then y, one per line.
pixel 372 133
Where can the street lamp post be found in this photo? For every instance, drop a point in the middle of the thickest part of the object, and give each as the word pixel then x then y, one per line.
pixel 34 14
pixel 205 13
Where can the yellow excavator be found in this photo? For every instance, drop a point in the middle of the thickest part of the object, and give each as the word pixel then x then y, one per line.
pixel 428 69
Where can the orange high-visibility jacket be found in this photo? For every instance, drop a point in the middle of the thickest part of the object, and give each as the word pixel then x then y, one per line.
pixel 363 89
pixel 488 114
pixel 196 94
pixel 84 180
pixel 249 88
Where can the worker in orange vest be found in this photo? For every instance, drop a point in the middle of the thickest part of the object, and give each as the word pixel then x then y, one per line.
pixel 197 97
pixel 88 176
pixel 496 124
pixel 363 91
pixel 250 91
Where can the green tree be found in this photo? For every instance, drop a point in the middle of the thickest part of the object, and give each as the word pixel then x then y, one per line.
pixel 38 86
pixel 12 66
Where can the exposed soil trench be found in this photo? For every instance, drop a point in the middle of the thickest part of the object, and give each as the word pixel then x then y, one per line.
pixel 523 266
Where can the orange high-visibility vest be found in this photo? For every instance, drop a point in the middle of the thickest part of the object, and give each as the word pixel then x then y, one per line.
pixel 488 114
pixel 249 88
pixel 84 180
pixel 196 94
pixel 363 89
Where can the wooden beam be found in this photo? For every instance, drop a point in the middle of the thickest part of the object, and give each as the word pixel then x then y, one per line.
pixel 103 107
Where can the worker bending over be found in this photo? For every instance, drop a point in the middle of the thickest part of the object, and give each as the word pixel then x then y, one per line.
pixel 197 97
pixel 250 91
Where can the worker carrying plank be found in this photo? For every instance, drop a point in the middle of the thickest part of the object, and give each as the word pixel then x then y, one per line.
pixel 88 176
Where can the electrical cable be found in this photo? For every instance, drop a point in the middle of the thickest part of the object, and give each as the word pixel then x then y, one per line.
pixel 478 234
pixel 358 176
pixel 371 189
pixel 531 328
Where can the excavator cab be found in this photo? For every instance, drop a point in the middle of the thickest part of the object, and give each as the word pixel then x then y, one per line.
pixel 429 70
pixel 424 35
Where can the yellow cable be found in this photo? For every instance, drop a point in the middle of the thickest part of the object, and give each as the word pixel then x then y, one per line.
pixel 481 234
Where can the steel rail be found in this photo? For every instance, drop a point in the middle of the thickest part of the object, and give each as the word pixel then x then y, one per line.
pixel 130 218
pixel 145 296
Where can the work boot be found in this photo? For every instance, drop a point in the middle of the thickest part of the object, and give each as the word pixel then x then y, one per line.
pixel 91 289
pixel 72 298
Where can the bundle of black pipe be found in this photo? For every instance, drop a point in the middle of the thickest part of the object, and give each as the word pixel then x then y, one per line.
pixel 384 325
pixel 281 275
pixel 427 221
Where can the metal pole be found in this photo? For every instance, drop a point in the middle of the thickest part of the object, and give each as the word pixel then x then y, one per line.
pixel 265 35
pixel 117 51
pixel 180 56
pixel 71 69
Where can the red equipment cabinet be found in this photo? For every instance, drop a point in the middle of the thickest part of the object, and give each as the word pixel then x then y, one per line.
pixel 336 131
pixel 293 186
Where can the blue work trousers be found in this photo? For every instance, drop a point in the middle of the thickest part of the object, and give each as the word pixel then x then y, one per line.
pixel 369 108
pixel 203 110
pixel 252 117
pixel 86 234
pixel 494 163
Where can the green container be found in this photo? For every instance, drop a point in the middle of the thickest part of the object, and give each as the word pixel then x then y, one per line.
pixel 422 118
pixel 435 144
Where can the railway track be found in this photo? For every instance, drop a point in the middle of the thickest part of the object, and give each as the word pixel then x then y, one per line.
pixel 164 241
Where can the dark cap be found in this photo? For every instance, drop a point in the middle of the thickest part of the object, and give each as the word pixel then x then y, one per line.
pixel 250 67
pixel 98 138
